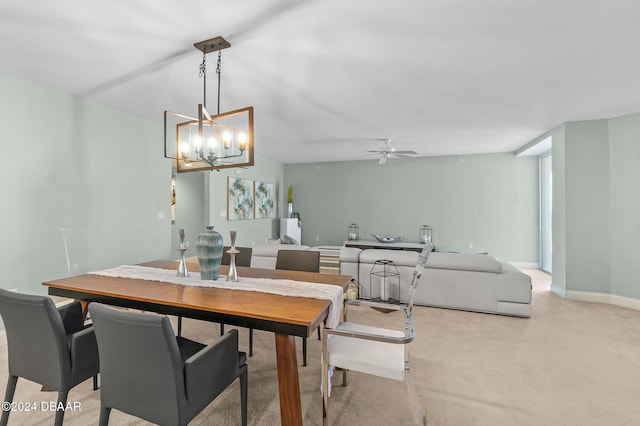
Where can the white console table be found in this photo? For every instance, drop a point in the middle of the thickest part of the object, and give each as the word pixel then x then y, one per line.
pixel 370 244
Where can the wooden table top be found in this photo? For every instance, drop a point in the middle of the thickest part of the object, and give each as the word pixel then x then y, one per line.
pixel 240 307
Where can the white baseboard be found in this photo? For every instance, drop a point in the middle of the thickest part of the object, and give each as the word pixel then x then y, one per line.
pixel 558 291
pixel 612 299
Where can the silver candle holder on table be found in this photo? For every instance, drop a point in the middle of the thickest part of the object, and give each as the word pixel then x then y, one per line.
pixel 182 266
pixel 233 272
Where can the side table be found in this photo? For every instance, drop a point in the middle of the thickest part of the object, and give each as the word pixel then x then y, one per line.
pixel 385 270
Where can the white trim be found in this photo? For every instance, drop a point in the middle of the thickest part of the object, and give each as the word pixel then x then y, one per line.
pixel 612 299
pixel 558 291
pixel 625 302
pixel 588 296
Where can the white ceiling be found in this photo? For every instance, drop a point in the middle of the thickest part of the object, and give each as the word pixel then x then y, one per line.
pixel 328 77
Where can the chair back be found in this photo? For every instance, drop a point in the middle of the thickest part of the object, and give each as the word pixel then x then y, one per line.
pixel 298 260
pixel 140 366
pixel 77 249
pixel 417 272
pixel 242 259
pixel 36 340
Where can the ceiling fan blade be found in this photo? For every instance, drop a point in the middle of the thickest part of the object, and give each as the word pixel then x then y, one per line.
pixel 405 152
pixel 404 156
pixel 382 160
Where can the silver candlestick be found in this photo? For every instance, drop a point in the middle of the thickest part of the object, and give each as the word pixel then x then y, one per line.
pixel 182 267
pixel 233 272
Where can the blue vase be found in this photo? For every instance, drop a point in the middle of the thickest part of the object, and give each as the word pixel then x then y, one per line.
pixel 209 246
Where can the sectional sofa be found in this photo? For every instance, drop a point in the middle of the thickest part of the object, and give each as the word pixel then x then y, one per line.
pixel 472 282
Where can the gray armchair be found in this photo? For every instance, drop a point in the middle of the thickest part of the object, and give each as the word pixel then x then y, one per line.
pixel 46 345
pixel 148 372
pixel 386 349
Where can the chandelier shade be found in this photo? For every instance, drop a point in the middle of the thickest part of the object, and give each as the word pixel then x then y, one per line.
pixel 209 142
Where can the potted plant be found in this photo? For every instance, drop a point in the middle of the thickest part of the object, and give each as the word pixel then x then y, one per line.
pixel 290 201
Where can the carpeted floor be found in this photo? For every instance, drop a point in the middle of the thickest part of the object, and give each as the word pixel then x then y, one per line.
pixel 571 363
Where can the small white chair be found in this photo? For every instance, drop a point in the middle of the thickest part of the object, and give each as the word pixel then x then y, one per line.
pixel 387 355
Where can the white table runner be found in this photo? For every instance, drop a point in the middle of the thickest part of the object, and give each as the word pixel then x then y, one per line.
pixel 281 287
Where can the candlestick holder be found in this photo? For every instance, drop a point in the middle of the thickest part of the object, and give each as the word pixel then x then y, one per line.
pixel 182 266
pixel 233 272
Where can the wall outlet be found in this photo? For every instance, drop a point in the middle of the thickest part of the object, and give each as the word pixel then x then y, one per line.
pixel 223 213
pixel 160 215
pixel 470 245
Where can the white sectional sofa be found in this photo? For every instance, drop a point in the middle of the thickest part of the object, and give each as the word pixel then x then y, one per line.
pixel 472 282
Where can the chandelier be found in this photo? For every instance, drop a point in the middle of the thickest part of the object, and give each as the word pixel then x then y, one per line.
pixel 209 142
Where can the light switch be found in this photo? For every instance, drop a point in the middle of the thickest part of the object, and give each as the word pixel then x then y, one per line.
pixel 160 215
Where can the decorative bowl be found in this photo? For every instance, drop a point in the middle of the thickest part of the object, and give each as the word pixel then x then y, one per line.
pixel 387 239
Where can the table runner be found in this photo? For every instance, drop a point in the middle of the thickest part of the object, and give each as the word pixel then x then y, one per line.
pixel 263 285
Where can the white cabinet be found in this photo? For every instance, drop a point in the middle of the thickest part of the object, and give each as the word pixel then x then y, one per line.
pixel 291 228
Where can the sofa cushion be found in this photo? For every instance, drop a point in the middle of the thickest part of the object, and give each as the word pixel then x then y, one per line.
pixel 350 254
pixel 398 257
pixel 464 262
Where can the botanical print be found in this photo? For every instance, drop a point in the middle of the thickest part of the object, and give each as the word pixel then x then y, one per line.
pixel 264 200
pixel 239 199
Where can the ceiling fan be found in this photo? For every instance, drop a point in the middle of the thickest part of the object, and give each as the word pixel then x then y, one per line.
pixel 388 151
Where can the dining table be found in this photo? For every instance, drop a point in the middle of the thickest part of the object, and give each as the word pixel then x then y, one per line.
pixel 286 316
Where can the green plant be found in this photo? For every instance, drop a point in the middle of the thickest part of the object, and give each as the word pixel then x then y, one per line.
pixel 290 194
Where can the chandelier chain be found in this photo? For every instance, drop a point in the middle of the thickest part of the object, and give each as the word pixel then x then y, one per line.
pixel 203 74
pixel 218 71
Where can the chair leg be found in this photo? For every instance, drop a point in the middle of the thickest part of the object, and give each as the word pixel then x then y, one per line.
pixel 251 342
pixel 304 351
pixel 8 397
pixel 319 337
pixel 244 386
pixel 62 402
pixel 95 382
pixel 179 326
pixel 325 382
pixel 221 329
pixel 104 415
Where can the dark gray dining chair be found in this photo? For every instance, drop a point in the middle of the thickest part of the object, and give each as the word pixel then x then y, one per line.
pixel 242 259
pixel 300 260
pixel 148 372
pixel 47 345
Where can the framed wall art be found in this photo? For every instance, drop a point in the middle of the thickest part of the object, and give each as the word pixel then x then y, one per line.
pixel 263 201
pixel 239 199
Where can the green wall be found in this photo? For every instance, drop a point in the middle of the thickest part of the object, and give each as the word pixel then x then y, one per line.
pixel 596 206
pixel 69 162
pixel 490 201
pixel 624 182
pixel 588 264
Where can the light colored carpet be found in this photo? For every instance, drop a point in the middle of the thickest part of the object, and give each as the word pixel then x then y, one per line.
pixel 571 363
